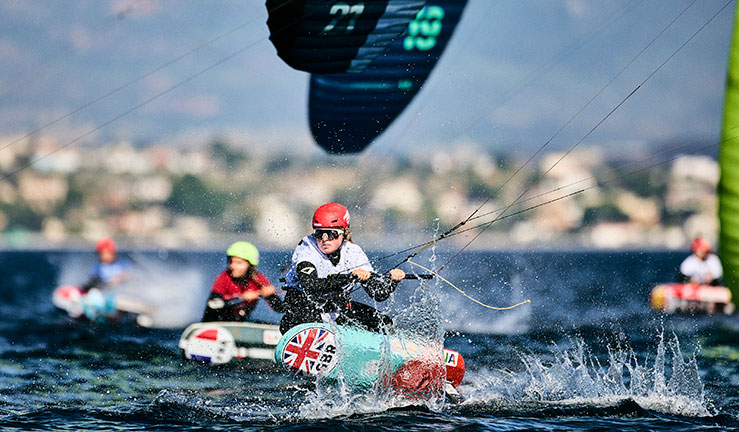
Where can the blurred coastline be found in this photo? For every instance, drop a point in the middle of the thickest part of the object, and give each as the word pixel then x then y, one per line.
pixel 204 196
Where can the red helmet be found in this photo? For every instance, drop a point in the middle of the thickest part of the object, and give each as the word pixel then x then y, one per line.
pixel 331 215
pixel 105 244
pixel 700 244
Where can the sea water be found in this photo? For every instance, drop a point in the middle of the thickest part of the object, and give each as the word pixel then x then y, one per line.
pixel 586 354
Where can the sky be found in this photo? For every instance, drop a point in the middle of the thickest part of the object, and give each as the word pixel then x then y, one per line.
pixel 516 74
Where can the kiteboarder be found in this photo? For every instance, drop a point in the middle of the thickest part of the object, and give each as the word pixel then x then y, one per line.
pixel 95 299
pixel 110 269
pixel 237 289
pixel 702 266
pixel 324 268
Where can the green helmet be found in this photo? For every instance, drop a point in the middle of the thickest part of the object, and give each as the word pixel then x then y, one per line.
pixel 244 250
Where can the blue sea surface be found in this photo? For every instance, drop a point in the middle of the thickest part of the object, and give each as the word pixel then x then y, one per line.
pixel 587 353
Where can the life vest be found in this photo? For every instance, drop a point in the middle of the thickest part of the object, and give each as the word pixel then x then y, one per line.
pixel 702 270
pixel 107 271
pixel 351 257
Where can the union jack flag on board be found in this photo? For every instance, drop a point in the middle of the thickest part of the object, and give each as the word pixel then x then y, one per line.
pixel 310 351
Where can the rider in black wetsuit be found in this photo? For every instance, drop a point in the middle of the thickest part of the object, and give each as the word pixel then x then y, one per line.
pixel 325 267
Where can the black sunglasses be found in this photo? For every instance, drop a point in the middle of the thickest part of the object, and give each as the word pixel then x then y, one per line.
pixel 331 234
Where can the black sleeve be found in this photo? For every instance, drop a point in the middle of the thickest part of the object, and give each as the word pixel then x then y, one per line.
pixel 213 314
pixel 318 287
pixel 682 278
pixel 275 302
pixel 379 287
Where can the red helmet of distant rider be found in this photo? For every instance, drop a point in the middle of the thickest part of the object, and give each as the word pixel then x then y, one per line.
pixel 700 245
pixel 105 244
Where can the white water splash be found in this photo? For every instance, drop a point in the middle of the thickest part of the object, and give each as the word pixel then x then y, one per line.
pixel 576 378
pixel 333 402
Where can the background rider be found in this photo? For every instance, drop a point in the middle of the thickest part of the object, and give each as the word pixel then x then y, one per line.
pixel 110 269
pixel 702 266
pixel 237 289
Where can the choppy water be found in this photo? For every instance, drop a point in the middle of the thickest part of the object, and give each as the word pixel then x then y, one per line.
pixel 586 354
